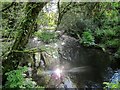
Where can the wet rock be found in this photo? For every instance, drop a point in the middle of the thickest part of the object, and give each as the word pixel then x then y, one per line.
pixel 81 63
pixel 76 55
pixel 116 77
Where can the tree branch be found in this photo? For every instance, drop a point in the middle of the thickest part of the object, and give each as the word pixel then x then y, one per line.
pixel 8 6
pixel 66 9
pixel 61 13
pixel 58 5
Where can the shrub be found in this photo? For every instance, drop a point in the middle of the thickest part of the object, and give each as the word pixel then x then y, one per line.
pixel 46 36
pixel 16 79
pixel 87 38
pixel 111 86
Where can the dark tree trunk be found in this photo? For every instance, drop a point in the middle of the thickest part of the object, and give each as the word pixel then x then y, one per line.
pixel 26 29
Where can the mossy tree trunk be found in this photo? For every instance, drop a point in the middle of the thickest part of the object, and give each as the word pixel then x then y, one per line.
pixel 26 29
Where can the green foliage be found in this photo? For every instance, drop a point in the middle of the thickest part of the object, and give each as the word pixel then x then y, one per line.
pixel 46 19
pixel 16 79
pixel 87 38
pixel 93 23
pixel 113 43
pixel 112 86
pixel 117 54
pixel 108 34
pixel 40 87
pixel 46 36
pixel 10 21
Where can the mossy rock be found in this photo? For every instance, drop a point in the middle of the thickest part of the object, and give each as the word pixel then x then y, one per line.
pixel 40 72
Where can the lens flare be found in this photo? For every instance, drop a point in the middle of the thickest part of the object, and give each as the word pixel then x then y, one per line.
pixel 58 72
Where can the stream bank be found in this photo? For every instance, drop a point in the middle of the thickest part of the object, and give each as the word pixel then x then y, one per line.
pixel 84 66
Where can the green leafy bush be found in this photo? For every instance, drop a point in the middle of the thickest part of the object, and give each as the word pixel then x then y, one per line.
pixel 46 36
pixel 87 38
pixel 16 79
pixel 112 86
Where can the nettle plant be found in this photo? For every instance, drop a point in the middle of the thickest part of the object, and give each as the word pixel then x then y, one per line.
pixel 16 79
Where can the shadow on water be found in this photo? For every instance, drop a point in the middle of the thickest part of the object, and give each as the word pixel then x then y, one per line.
pixel 85 65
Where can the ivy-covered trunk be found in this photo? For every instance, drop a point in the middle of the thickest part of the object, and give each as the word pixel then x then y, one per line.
pixel 26 29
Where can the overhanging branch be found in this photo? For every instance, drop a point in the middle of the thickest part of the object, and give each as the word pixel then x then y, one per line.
pixel 8 6
pixel 66 9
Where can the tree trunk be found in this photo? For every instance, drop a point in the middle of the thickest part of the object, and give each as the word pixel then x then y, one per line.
pixel 26 28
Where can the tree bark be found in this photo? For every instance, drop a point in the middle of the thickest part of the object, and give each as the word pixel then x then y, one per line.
pixel 26 28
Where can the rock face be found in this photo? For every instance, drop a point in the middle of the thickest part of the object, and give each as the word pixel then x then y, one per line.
pixel 83 63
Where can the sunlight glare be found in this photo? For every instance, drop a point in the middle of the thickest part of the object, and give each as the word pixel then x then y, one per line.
pixel 58 72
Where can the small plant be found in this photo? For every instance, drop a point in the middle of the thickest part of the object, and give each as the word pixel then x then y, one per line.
pixel 16 79
pixel 111 86
pixel 87 38
pixel 46 36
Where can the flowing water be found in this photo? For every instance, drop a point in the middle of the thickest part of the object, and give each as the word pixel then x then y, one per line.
pixel 84 67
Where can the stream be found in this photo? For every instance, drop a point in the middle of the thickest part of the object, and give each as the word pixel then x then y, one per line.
pixel 83 67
